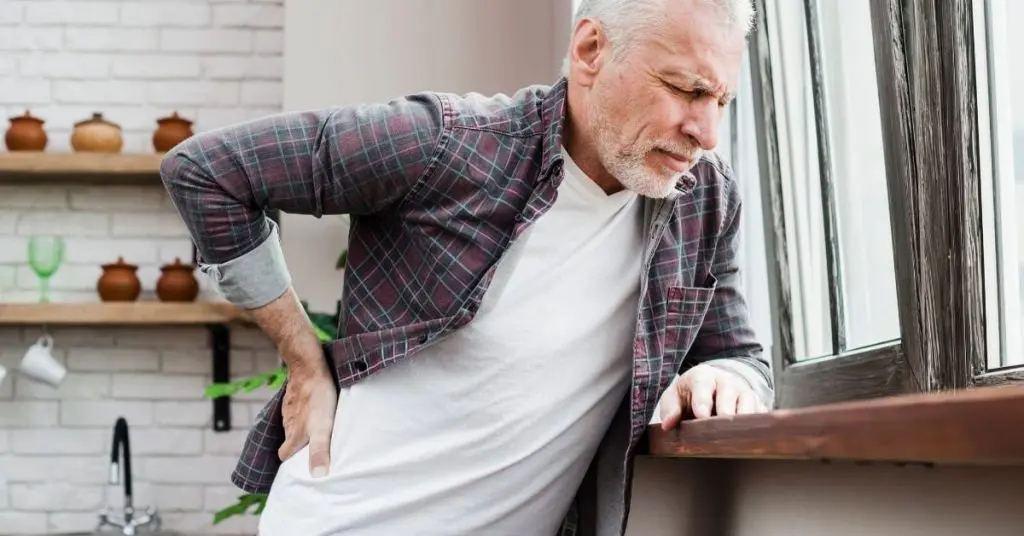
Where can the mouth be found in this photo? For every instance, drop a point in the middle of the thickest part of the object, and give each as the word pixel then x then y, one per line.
pixel 673 161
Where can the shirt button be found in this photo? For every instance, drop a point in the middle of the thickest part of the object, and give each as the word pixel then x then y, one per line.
pixel 360 365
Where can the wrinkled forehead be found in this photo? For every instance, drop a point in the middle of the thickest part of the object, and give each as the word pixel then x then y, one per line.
pixel 706 54
pixel 696 42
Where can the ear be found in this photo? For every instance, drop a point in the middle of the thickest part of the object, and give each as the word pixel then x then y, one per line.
pixel 589 50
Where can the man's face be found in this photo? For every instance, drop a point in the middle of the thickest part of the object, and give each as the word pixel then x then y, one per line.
pixel 658 107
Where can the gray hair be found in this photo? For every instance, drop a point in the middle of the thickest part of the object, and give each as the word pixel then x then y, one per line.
pixel 625 20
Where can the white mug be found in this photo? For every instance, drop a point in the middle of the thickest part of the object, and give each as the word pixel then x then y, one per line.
pixel 39 363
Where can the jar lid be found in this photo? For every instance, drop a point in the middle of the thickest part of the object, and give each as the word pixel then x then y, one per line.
pixel 177 265
pixel 120 264
pixel 27 116
pixel 173 118
pixel 97 119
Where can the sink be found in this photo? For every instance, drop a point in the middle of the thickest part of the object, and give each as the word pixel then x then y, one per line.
pixel 107 522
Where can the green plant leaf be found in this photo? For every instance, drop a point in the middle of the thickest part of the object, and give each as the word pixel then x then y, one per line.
pixel 249 384
pixel 342 261
pixel 279 379
pixel 256 501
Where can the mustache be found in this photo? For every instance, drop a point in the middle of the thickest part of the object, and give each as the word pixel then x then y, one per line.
pixel 689 153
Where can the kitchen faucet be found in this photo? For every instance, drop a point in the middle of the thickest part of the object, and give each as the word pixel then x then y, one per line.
pixel 127 521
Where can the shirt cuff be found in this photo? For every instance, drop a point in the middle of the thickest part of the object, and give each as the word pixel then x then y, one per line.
pixel 751 374
pixel 256 278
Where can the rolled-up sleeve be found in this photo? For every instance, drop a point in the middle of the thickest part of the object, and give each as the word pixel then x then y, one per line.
pixel 342 160
pixel 726 338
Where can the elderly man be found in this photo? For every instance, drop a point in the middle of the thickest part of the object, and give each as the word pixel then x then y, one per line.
pixel 529 276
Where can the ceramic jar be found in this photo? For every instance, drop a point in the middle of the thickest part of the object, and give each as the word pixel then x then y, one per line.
pixel 26 133
pixel 96 135
pixel 119 282
pixel 177 282
pixel 171 131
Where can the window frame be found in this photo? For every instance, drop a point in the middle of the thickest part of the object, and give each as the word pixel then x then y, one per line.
pixel 875 371
pixel 927 87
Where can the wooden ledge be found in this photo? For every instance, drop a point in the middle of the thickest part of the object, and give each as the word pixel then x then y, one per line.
pixel 120 314
pixel 87 168
pixel 975 426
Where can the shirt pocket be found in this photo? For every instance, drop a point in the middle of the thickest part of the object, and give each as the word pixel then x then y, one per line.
pixel 687 307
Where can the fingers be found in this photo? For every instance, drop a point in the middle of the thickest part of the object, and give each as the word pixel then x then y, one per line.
pixel 292 443
pixel 726 398
pixel 319 446
pixel 294 428
pixel 706 391
pixel 702 391
pixel 748 403
pixel 671 410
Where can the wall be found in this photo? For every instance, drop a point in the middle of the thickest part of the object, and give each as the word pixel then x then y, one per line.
pixel 216 62
pixel 486 46
pixel 55 443
pixel 137 60
pixel 781 498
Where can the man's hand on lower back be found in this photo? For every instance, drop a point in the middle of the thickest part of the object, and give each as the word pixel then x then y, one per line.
pixel 310 396
pixel 308 408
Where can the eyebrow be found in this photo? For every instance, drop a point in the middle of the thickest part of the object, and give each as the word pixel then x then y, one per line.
pixel 699 83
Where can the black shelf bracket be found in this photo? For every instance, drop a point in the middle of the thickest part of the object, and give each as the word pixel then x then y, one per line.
pixel 220 341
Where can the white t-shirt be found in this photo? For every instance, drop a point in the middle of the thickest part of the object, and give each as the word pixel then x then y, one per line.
pixel 491 430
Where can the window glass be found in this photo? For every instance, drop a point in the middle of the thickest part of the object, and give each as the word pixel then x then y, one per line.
pixel 1001 144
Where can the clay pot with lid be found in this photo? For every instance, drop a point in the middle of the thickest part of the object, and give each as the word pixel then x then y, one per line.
pixel 119 282
pixel 177 282
pixel 171 131
pixel 96 135
pixel 26 133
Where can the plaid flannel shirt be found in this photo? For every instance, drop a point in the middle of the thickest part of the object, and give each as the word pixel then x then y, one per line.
pixel 437 186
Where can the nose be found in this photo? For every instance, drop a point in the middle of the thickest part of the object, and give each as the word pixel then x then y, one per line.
pixel 700 123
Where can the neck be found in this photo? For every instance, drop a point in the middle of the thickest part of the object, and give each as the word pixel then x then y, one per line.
pixel 581 144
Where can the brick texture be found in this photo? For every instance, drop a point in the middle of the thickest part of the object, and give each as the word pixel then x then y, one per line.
pixel 55 442
pixel 216 62
pixel 137 60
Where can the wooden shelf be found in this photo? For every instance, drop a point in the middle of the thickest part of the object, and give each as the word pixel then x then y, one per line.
pixel 974 426
pixel 124 314
pixel 89 168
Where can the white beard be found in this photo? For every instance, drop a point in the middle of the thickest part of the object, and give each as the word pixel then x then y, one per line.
pixel 628 165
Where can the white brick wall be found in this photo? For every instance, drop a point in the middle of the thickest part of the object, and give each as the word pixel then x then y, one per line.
pixel 137 60
pixel 55 443
pixel 217 62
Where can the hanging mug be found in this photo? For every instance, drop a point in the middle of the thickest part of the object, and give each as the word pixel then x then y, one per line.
pixel 39 363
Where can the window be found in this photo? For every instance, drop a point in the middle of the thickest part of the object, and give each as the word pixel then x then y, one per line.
pixel 889 176
pixel 825 189
pixel 834 194
pixel 1001 154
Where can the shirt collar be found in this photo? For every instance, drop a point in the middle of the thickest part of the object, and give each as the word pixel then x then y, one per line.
pixel 553 110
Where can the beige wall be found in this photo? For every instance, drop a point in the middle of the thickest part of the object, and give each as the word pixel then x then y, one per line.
pixel 386 48
pixel 778 498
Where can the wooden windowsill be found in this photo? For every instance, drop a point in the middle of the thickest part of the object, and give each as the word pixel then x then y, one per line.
pixel 120 314
pixel 976 426
pixel 89 168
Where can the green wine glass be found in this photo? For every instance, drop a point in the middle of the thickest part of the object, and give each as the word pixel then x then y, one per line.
pixel 45 255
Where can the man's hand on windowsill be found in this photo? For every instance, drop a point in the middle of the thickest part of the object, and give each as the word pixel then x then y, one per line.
pixel 705 390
